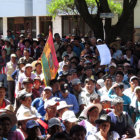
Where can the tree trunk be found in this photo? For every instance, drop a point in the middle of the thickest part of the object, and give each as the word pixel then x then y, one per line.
pixel 95 23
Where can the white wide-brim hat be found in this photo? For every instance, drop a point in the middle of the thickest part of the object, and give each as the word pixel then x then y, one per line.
pixel 85 111
pixel 63 104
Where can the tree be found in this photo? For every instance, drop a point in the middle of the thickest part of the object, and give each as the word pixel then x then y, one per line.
pixel 85 8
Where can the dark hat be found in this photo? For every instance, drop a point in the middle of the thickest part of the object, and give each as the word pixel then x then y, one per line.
pixel 103 118
pixel 72 71
pixel 65 55
pixel 27 80
pixel 64 88
pixel 2 85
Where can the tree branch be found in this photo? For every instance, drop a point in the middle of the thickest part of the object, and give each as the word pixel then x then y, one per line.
pixel 127 9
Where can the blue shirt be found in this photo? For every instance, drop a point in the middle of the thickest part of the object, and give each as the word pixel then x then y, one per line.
pixel 125 98
pixel 78 49
pixel 71 100
pixel 37 102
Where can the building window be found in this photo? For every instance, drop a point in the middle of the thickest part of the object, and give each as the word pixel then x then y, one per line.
pixel 45 22
pixel 23 25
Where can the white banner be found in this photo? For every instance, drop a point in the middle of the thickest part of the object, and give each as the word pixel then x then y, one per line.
pixel 105 55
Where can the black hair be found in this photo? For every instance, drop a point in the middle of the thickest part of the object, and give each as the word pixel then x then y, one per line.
pixel 107 77
pixel 60 135
pixel 120 73
pixel 4 50
pixel 89 79
pixel 5 119
pixel 32 133
pixel 77 128
pixel 27 50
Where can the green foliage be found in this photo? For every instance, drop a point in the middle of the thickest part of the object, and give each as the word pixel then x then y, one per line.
pixel 68 7
pixel 116 7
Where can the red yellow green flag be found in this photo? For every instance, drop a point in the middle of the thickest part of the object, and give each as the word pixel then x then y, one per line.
pixel 49 60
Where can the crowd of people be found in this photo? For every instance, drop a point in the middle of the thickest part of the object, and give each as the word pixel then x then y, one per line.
pixel 86 100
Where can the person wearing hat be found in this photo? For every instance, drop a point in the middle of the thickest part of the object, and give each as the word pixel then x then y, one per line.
pixel 15 75
pixel 69 119
pixel 76 87
pixel 27 74
pixel 117 91
pixel 7 46
pixel 106 104
pixel 26 100
pixel 64 61
pixel 134 82
pixel 26 57
pixel 27 84
pixel 54 126
pixel 90 115
pixel 3 102
pixel 38 69
pixel 120 118
pixel 9 120
pixel 112 71
pixel 99 84
pixel 135 105
pixel 38 103
pixel 33 130
pixel 65 70
pixel 69 98
pixel 50 107
pixel 37 88
pixel 22 119
pixel 88 91
pixel 105 132
pixel 62 107
pixel 10 68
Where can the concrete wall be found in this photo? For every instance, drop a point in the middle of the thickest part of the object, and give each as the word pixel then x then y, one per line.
pixel 15 8
pixel 137 15
pixel 40 7
pixel 57 25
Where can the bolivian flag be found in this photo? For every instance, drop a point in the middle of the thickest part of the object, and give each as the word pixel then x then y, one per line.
pixel 49 60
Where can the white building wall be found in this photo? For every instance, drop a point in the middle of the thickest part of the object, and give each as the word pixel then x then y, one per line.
pixel 4 27
pixel 57 25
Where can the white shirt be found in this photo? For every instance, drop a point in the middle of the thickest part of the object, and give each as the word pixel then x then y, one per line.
pixel 103 91
pixel 84 97
pixel 23 76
